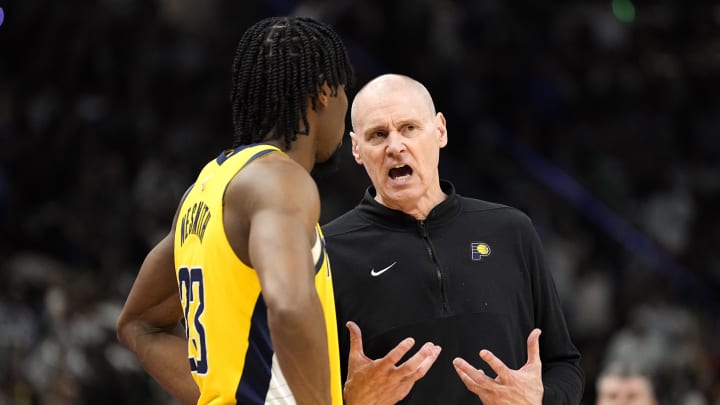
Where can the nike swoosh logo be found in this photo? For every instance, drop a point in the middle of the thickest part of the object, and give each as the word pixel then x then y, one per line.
pixel 379 272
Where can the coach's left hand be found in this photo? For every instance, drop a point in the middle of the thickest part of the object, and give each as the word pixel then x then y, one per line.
pixel 510 387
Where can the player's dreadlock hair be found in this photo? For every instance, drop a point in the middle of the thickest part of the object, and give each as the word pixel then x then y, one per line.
pixel 279 63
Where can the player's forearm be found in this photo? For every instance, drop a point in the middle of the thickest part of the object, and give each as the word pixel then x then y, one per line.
pixel 163 354
pixel 300 342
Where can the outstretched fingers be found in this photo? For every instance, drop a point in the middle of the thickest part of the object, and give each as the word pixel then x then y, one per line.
pixel 397 353
pixel 418 365
pixel 522 386
pixel 384 381
pixel 472 378
pixel 495 363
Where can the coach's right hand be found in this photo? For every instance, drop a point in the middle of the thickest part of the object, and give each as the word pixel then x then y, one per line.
pixel 381 381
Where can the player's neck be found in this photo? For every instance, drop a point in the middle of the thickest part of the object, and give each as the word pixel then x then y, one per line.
pixel 302 151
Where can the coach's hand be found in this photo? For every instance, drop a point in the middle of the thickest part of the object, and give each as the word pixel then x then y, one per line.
pixel 381 381
pixel 510 387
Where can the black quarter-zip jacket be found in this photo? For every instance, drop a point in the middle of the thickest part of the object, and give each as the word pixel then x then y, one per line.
pixel 471 276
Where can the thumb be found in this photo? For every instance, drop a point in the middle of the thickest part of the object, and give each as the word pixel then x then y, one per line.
pixel 533 346
pixel 356 345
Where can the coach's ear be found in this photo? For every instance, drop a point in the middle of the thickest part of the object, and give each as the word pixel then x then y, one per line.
pixel 441 126
pixel 355 148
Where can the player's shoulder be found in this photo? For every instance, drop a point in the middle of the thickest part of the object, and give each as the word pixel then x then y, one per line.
pixel 272 180
pixel 275 173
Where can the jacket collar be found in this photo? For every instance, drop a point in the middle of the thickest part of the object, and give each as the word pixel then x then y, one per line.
pixel 385 217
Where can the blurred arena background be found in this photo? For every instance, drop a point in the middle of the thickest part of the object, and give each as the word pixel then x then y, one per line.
pixel 600 119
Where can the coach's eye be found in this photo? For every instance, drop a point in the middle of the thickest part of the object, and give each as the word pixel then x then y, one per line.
pixel 378 134
pixel 409 128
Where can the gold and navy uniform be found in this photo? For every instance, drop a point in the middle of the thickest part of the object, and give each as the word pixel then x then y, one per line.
pixel 229 346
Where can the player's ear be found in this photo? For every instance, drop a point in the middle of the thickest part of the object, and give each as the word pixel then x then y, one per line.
pixel 323 97
pixel 355 148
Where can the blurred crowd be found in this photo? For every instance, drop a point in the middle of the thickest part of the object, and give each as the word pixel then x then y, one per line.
pixel 600 119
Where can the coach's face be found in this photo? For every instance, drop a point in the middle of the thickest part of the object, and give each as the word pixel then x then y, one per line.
pixel 397 137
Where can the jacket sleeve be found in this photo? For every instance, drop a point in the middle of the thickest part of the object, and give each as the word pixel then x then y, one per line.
pixel 562 376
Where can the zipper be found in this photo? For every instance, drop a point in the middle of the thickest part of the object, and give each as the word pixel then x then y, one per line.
pixel 423 228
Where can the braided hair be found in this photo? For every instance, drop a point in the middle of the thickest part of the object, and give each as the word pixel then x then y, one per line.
pixel 279 63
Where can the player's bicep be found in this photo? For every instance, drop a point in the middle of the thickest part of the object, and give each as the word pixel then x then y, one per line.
pixel 280 250
pixel 282 233
pixel 153 298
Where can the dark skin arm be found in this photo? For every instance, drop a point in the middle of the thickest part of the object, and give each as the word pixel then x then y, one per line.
pixel 277 201
pixel 149 324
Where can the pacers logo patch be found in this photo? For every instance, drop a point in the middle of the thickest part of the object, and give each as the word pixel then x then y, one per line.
pixel 479 250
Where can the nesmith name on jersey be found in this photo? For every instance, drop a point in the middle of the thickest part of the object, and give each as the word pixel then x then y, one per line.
pixel 194 221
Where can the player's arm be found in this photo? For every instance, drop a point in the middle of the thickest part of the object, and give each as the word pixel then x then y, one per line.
pixel 283 206
pixel 149 323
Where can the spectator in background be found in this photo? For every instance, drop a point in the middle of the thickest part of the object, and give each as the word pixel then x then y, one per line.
pixel 621 384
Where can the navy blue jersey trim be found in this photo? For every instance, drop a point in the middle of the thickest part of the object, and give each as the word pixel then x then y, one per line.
pixel 224 155
pixel 256 374
pixel 321 259
pixel 255 156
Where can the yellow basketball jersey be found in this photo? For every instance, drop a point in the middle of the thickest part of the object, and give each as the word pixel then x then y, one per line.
pixel 229 347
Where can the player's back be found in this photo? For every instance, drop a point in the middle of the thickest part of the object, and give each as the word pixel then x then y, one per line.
pixel 229 344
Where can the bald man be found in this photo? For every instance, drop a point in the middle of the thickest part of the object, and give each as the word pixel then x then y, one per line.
pixel 416 262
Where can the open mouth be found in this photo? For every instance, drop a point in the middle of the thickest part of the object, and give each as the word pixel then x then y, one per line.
pixel 400 172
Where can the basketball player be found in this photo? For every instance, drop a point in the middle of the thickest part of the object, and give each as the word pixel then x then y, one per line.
pixel 245 252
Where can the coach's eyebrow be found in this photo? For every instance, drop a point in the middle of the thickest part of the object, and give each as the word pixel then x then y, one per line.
pixel 376 128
